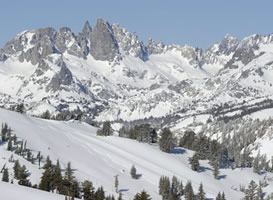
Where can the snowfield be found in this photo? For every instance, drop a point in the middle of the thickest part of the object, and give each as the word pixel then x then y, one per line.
pixel 99 159
pixel 14 192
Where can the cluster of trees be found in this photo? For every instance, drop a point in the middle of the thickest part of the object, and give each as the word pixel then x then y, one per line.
pixel 18 108
pixel 242 110
pixel 170 189
pixel 174 190
pixel 254 191
pixel 21 174
pixel 238 137
pixel 146 133
pixel 106 129
pixel 20 147
pixel 205 149
pixel 142 133
pixel 63 116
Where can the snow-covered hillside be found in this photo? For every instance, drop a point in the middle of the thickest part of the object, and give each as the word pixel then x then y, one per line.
pixel 14 192
pixel 99 159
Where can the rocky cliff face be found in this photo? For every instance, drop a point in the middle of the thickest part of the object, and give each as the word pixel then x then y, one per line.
pixel 103 44
pixel 111 75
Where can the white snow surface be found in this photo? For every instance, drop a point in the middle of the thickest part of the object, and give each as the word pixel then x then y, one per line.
pixel 15 192
pixel 99 159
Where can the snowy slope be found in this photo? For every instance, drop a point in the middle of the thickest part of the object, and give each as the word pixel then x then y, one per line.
pixel 14 192
pixel 99 159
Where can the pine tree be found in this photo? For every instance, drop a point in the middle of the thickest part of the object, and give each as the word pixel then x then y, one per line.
pixel 106 129
pixel 4 132
pixel 23 174
pixel 187 140
pixel 46 180
pixel 116 183
pixel 16 169
pixel 57 177
pixel 88 190
pixel 219 197
pixel 223 196
pixel 20 108
pixel 110 197
pixel 189 195
pixel 142 196
pixel 5 176
pixel 251 192
pixel 201 194
pixel 260 193
pixel 48 163
pixel 20 152
pixel 120 196
pixel 100 194
pixel 256 164
pixel 164 187
pixel 75 189
pixel 69 173
pixel 15 140
pixel 46 115
pixel 174 192
pixel 194 162
pixel 215 169
pixel 133 172
pixel 39 157
pixel 166 142
pixel 9 148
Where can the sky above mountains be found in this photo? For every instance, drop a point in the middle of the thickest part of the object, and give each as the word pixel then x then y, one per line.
pixel 198 23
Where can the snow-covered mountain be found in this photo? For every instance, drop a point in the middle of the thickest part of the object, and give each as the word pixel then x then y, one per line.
pixel 109 74
pixel 99 159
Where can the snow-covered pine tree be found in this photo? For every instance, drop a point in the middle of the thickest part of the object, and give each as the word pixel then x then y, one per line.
pixel 88 190
pixel 251 192
pixel 133 172
pixel 256 164
pixel 100 194
pixel 16 169
pixel 116 183
pixel 142 196
pixel 9 148
pixel 188 192
pixel 4 132
pixel 218 197
pixel 166 142
pixel 223 196
pixel 106 129
pixel 164 187
pixel 194 162
pixel 201 194
pixel 5 176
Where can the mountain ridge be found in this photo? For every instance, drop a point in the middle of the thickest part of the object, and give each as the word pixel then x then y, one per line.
pixel 109 74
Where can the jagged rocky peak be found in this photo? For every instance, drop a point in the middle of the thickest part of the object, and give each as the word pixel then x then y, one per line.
pixel 129 43
pixel 32 45
pixel 60 79
pixel 245 52
pixel 84 39
pixel 227 45
pixel 219 53
pixel 155 47
pixel 103 44
pixel 86 29
pixel 193 54
pixel 64 37
pixel 42 44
